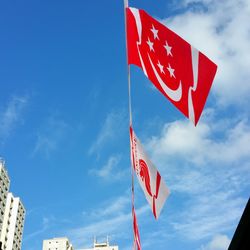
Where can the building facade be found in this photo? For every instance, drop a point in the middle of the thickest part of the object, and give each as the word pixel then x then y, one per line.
pixel 102 246
pixel 4 189
pixel 57 244
pixel 13 223
pixel 12 214
pixel 64 244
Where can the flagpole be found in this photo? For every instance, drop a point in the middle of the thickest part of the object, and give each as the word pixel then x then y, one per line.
pixel 129 91
pixel 130 113
pixel 128 67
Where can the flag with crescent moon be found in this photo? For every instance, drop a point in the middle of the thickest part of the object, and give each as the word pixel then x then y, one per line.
pixel 179 71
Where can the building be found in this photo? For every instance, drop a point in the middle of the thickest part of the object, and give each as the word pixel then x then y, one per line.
pixel 64 244
pixel 102 246
pixel 12 214
pixel 13 223
pixel 4 189
pixel 57 244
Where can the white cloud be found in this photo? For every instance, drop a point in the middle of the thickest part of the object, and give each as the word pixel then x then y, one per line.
pixel 221 31
pixel 209 164
pixel 110 130
pixel 11 115
pixel 218 242
pixel 199 145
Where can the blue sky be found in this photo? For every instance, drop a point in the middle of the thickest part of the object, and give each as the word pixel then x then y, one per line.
pixel 64 124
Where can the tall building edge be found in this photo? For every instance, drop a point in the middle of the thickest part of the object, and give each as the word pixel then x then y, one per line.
pixel 12 214
pixel 4 189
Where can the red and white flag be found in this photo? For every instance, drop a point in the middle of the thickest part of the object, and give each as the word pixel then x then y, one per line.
pixel 178 70
pixel 152 184
pixel 137 241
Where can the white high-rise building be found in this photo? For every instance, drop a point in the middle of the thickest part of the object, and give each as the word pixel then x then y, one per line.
pixel 13 223
pixel 4 189
pixel 57 244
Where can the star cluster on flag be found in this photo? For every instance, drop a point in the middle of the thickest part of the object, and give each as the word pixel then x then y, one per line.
pixel 160 46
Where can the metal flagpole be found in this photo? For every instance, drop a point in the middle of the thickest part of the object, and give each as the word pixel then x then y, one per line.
pixel 128 69
pixel 130 117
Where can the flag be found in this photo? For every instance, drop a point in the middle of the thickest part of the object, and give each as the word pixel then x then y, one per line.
pixel 137 241
pixel 179 71
pixel 150 180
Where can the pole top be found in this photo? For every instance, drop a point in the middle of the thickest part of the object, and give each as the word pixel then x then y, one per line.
pixel 125 3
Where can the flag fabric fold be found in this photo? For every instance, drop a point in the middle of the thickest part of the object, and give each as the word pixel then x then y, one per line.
pixel 179 71
pixel 153 186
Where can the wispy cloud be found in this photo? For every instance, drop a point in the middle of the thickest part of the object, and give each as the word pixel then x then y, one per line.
pixel 11 115
pixel 50 135
pixel 111 170
pixel 113 207
pixel 115 223
pixel 46 222
pixel 111 129
pixel 209 215
pixel 81 236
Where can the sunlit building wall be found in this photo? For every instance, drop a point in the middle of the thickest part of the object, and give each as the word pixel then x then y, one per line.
pixel 57 244
pixel 4 189
pixel 13 223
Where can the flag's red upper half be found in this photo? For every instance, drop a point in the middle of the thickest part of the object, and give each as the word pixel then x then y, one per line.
pixel 182 74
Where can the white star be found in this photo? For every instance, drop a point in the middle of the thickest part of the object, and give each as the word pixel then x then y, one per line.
pixel 155 32
pixel 160 67
pixel 150 44
pixel 168 49
pixel 171 71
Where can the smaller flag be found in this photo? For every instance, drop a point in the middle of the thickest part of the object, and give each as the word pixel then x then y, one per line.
pixel 150 180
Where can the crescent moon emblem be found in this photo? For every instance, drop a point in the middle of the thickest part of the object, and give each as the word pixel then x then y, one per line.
pixel 174 95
